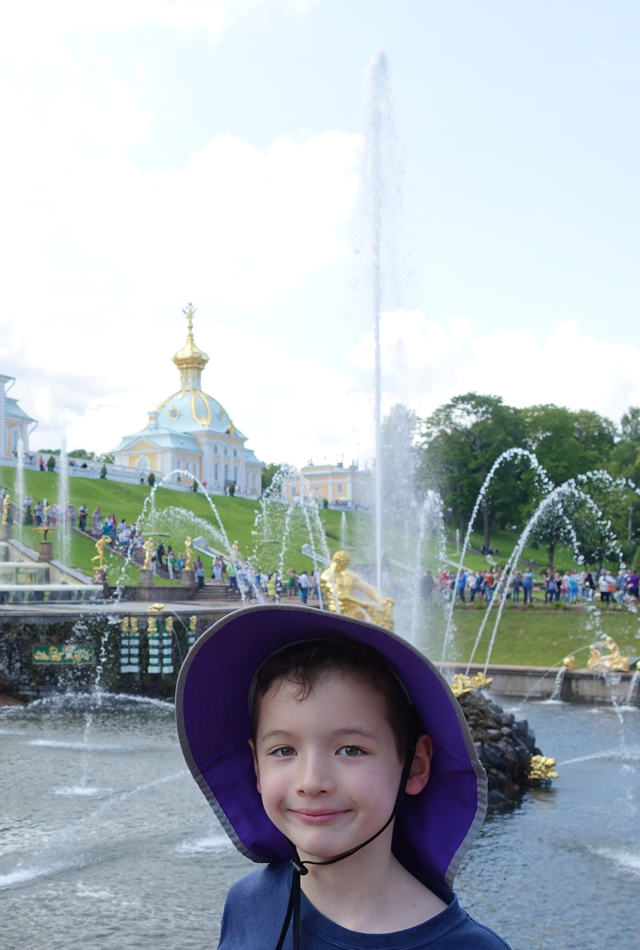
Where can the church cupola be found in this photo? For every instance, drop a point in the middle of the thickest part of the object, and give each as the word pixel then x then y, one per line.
pixel 190 360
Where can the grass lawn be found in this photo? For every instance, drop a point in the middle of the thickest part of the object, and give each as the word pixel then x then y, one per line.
pixel 126 501
pixel 543 636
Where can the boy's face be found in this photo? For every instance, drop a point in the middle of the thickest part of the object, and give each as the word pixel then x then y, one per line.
pixel 327 766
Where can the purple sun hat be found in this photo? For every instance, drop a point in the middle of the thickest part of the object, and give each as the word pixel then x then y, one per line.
pixel 433 830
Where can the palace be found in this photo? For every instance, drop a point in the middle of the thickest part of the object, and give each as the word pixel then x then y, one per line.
pixel 14 422
pixel 192 431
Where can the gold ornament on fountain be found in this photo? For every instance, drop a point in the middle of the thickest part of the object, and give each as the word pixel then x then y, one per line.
pixel 5 508
pixel 155 608
pixel 149 550
pixel 570 662
pixel 188 566
pixel 541 768
pixel 133 625
pixel 124 626
pixel 462 685
pixel 100 546
pixel 193 623
pixel 611 662
pixel 340 588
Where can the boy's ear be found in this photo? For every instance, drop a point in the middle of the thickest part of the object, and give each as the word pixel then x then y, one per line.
pixel 255 764
pixel 421 768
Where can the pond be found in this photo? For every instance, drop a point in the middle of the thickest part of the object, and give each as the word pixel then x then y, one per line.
pixel 105 840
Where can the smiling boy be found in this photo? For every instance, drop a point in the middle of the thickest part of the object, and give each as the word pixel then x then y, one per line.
pixel 348 768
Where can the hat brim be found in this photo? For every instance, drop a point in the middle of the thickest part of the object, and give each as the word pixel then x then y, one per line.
pixel 433 830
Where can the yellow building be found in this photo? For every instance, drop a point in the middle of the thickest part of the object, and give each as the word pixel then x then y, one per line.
pixel 192 432
pixel 339 485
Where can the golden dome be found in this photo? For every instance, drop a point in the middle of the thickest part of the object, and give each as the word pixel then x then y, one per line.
pixel 190 360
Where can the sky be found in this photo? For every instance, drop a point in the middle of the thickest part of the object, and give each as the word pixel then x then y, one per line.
pixel 160 152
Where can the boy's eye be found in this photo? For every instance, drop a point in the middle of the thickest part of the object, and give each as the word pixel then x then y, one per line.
pixel 351 751
pixel 284 752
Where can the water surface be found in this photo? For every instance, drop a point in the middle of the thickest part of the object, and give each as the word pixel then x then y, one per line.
pixel 105 840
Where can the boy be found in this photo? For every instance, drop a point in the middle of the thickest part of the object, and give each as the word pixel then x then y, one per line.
pixel 333 751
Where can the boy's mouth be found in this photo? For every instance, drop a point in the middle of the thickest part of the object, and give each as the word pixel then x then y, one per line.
pixel 319 816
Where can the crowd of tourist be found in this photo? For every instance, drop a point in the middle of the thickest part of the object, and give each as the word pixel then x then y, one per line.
pixel 569 587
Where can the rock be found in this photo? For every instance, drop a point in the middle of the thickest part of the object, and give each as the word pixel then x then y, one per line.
pixel 504 747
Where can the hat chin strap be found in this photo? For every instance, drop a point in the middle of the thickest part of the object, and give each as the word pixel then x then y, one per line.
pixel 299 869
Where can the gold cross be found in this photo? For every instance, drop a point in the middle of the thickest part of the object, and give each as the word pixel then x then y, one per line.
pixel 189 311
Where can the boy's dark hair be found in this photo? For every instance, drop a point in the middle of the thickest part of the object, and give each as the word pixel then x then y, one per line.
pixel 306 663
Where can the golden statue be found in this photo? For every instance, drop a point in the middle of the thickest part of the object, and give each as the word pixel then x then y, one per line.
pixel 235 552
pixel 155 607
pixel 149 550
pixel 611 662
pixel 339 587
pixel 462 685
pixel 188 565
pixel 570 662
pixel 100 546
pixel 5 508
pixel 541 768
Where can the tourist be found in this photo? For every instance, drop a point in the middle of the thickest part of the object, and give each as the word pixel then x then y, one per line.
pixel 216 571
pixel 606 586
pixel 38 513
pixel 461 584
pixel 96 522
pixel 160 553
pixel 232 574
pixel 573 587
pixel 199 572
pixel 83 514
pixel 478 587
pixel 271 587
pixel 633 582
pixel 427 586
pixel 550 589
pixel 621 586
pixel 488 587
pixel 292 583
pixel 41 463
pixel 304 585
pixel 517 586
pixel 527 586
pixel 590 584
pixel 171 561
pixel 303 697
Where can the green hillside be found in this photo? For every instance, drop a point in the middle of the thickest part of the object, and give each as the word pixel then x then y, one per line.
pixel 178 513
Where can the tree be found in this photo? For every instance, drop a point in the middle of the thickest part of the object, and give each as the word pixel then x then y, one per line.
pixel 567 444
pixel 268 473
pixel 151 479
pixel 461 440
pixel 51 463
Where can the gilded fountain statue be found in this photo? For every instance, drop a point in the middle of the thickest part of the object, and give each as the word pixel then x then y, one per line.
pixel 346 593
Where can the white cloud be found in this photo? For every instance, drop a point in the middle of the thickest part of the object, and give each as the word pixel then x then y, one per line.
pixel 424 365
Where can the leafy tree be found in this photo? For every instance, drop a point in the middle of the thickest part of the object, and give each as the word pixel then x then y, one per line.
pixel 461 440
pixel 268 473
pixel 81 454
pixel 567 443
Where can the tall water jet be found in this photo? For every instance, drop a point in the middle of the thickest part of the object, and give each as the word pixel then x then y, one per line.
pixel 63 502
pixel 343 530
pixel 20 487
pixel 380 204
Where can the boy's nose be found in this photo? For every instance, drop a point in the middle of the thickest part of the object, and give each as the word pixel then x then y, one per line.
pixel 313 777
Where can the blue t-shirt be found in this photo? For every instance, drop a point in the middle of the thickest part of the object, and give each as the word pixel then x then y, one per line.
pixel 256 905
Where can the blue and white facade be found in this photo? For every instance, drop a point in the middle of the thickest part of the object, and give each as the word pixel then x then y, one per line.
pixel 15 424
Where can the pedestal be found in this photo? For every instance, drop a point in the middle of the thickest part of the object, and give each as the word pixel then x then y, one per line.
pixel 146 578
pixel 189 578
pixel 99 575
pixel 5 532
pixel 45 551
